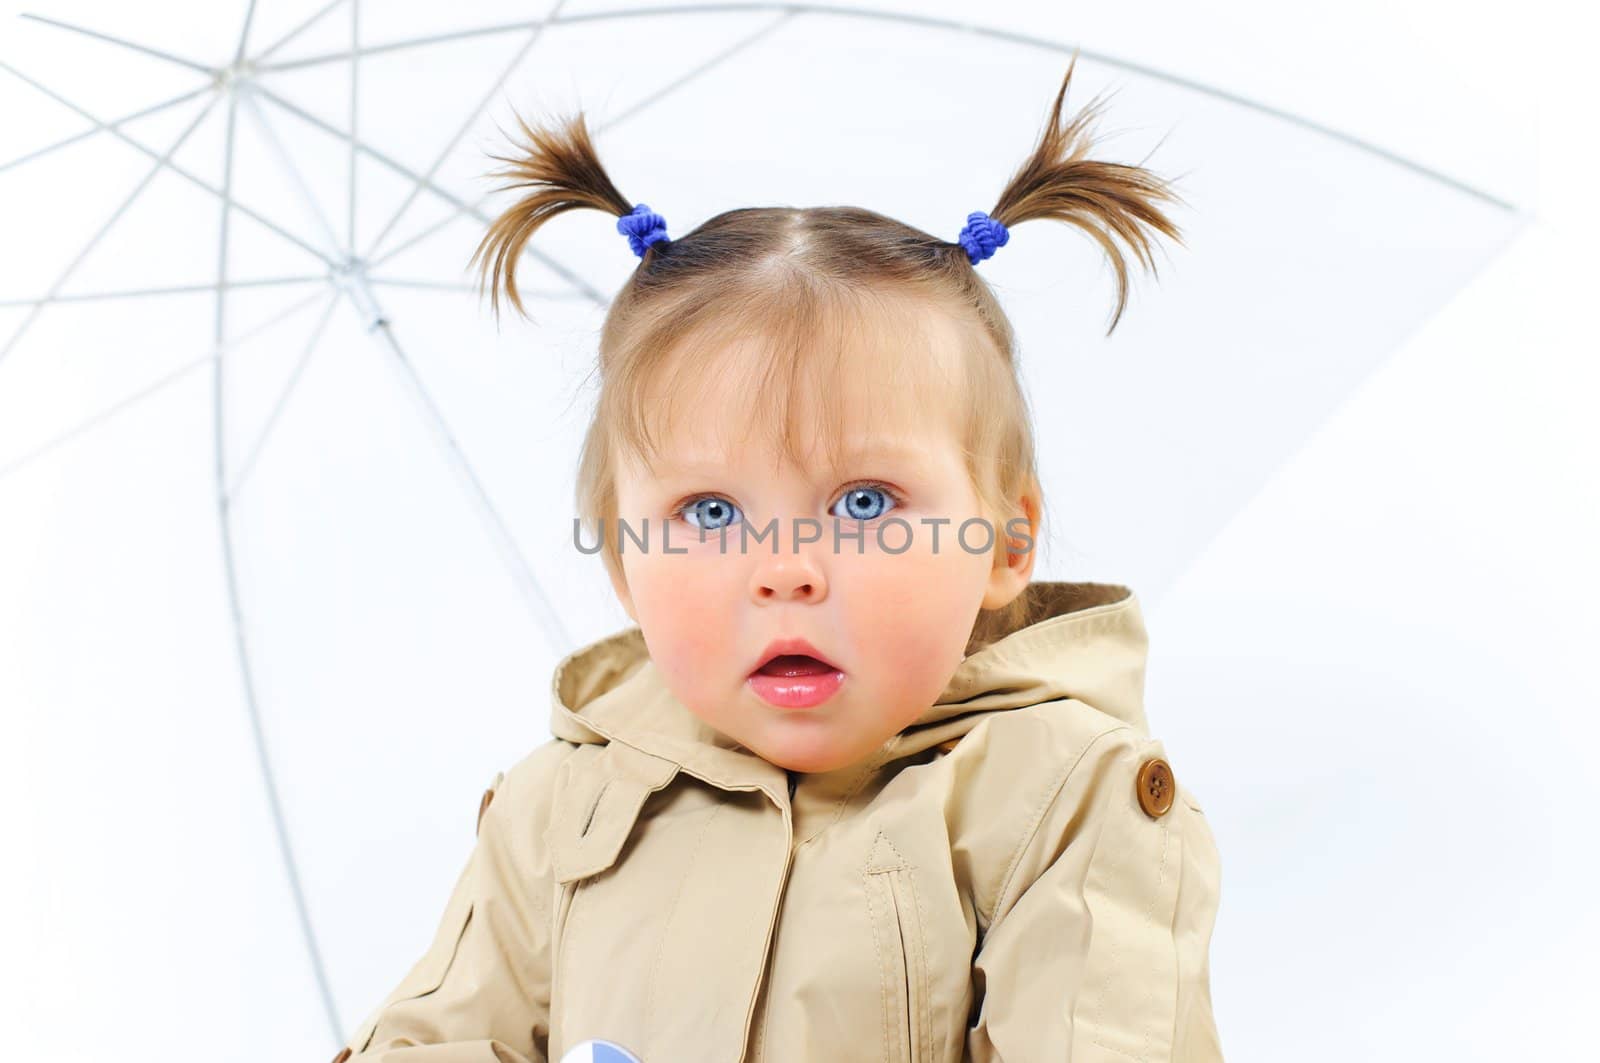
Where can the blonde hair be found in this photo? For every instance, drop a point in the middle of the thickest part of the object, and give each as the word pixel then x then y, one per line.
pixel 787 274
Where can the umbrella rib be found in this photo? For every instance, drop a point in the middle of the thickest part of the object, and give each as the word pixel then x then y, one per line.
pixel 488 97
pixel 1012 36
pixel 716 60
pixel 260 443
pixel 287 162
pixel 401 282
pixel 72 266
pixel 292 34
pixel 409 42
pixel 522 572
pixel 407 282
pixel 244 34
pixel 472 209
pixel 169 164
pixel 721 57
pixel 405 171
pixel 109 39
pixel 152 109
pixel 177 289
pixel 461 207
pixel 231 578
pixel 127 402
pixel 355 114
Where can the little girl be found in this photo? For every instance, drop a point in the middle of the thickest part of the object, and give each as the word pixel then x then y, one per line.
pixel 851 788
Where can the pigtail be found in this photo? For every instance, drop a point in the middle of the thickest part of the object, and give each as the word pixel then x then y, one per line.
pixel 564 173
pixel 1104 199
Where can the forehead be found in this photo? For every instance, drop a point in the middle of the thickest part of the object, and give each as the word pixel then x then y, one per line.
pixel 885 382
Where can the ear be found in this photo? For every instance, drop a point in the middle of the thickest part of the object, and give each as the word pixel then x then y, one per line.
pixel 1011 578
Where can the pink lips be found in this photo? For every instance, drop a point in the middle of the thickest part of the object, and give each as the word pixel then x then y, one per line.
pixel 796 681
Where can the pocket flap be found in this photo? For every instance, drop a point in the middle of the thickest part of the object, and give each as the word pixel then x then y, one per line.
pixel 595 814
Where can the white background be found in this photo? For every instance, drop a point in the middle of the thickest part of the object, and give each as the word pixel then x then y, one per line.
pixel 1379 679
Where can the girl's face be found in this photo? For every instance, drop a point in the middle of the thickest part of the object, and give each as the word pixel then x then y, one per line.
pixel 891 614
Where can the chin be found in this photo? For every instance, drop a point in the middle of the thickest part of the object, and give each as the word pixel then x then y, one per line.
pixel 804 765
pixel 808 761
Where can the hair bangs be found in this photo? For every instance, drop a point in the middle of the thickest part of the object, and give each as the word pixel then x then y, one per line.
pixel 801 373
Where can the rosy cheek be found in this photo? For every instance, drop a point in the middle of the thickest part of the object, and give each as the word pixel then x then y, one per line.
pixel 914 610
pixel 684 607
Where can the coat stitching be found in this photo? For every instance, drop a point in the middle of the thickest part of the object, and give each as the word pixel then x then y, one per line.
pixel 760 1051
pixel 672 911
pixel 929 1034
pixel 895 905
pixel 376 1018
pixel 877 947
pixel 1032 828
pixel 900 860
pixel 567 927
pixel 1161 879
pixel 1115 952
pixel 918 1028
pixel 763 961
pixel 921 1021
pixel 1142 1057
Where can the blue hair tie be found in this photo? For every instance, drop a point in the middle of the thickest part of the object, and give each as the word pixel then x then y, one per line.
pixel 981 235
pixel 643 227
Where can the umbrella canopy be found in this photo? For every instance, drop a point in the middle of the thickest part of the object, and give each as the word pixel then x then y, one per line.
pixel 287 517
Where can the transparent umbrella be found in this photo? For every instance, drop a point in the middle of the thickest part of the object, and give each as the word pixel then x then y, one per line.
pixel 285 517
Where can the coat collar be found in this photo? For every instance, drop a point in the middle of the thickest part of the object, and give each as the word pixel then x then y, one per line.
pixel 1090 644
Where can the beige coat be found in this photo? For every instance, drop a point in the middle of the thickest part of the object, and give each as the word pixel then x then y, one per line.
pixel 1010 878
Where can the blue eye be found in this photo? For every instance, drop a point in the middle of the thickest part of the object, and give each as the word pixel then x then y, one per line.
pixel 866 502
pixel 709 512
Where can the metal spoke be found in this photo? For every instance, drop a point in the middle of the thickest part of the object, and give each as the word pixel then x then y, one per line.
pixel 716 60
pixel 355 112
pixel 260 443
pixel 154 388
pixel 87 133
pixel 405 282
pixel 666 90
pixel 1011 36
pixel 72 266
pixel 395 46
pixel 583 286
pixel 244 34
pixel 174 290
pixel 246 94
pixel 487 99
pixel 169 164
pixel 297 31
pixel 231 579
pixel 397 282
pixel 472 209
pixel 120 42
pixel 527 583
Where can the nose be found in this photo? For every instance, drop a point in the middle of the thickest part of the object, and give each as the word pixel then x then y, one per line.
pixel 793 578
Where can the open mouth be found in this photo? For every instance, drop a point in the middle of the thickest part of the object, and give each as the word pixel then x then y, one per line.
pixel 791 665
pixel 798 679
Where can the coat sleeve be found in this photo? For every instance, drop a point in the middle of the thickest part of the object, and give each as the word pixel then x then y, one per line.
pixel 481 991
pixel 1097 948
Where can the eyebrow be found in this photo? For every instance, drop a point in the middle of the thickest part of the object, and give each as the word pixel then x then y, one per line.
pixel 904 454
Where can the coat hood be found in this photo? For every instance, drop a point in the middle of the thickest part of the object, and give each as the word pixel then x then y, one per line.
pixel 1089 644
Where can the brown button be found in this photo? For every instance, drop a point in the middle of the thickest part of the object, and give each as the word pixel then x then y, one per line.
pixel 344 1054
pixel 483 806
pixel 1155 787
